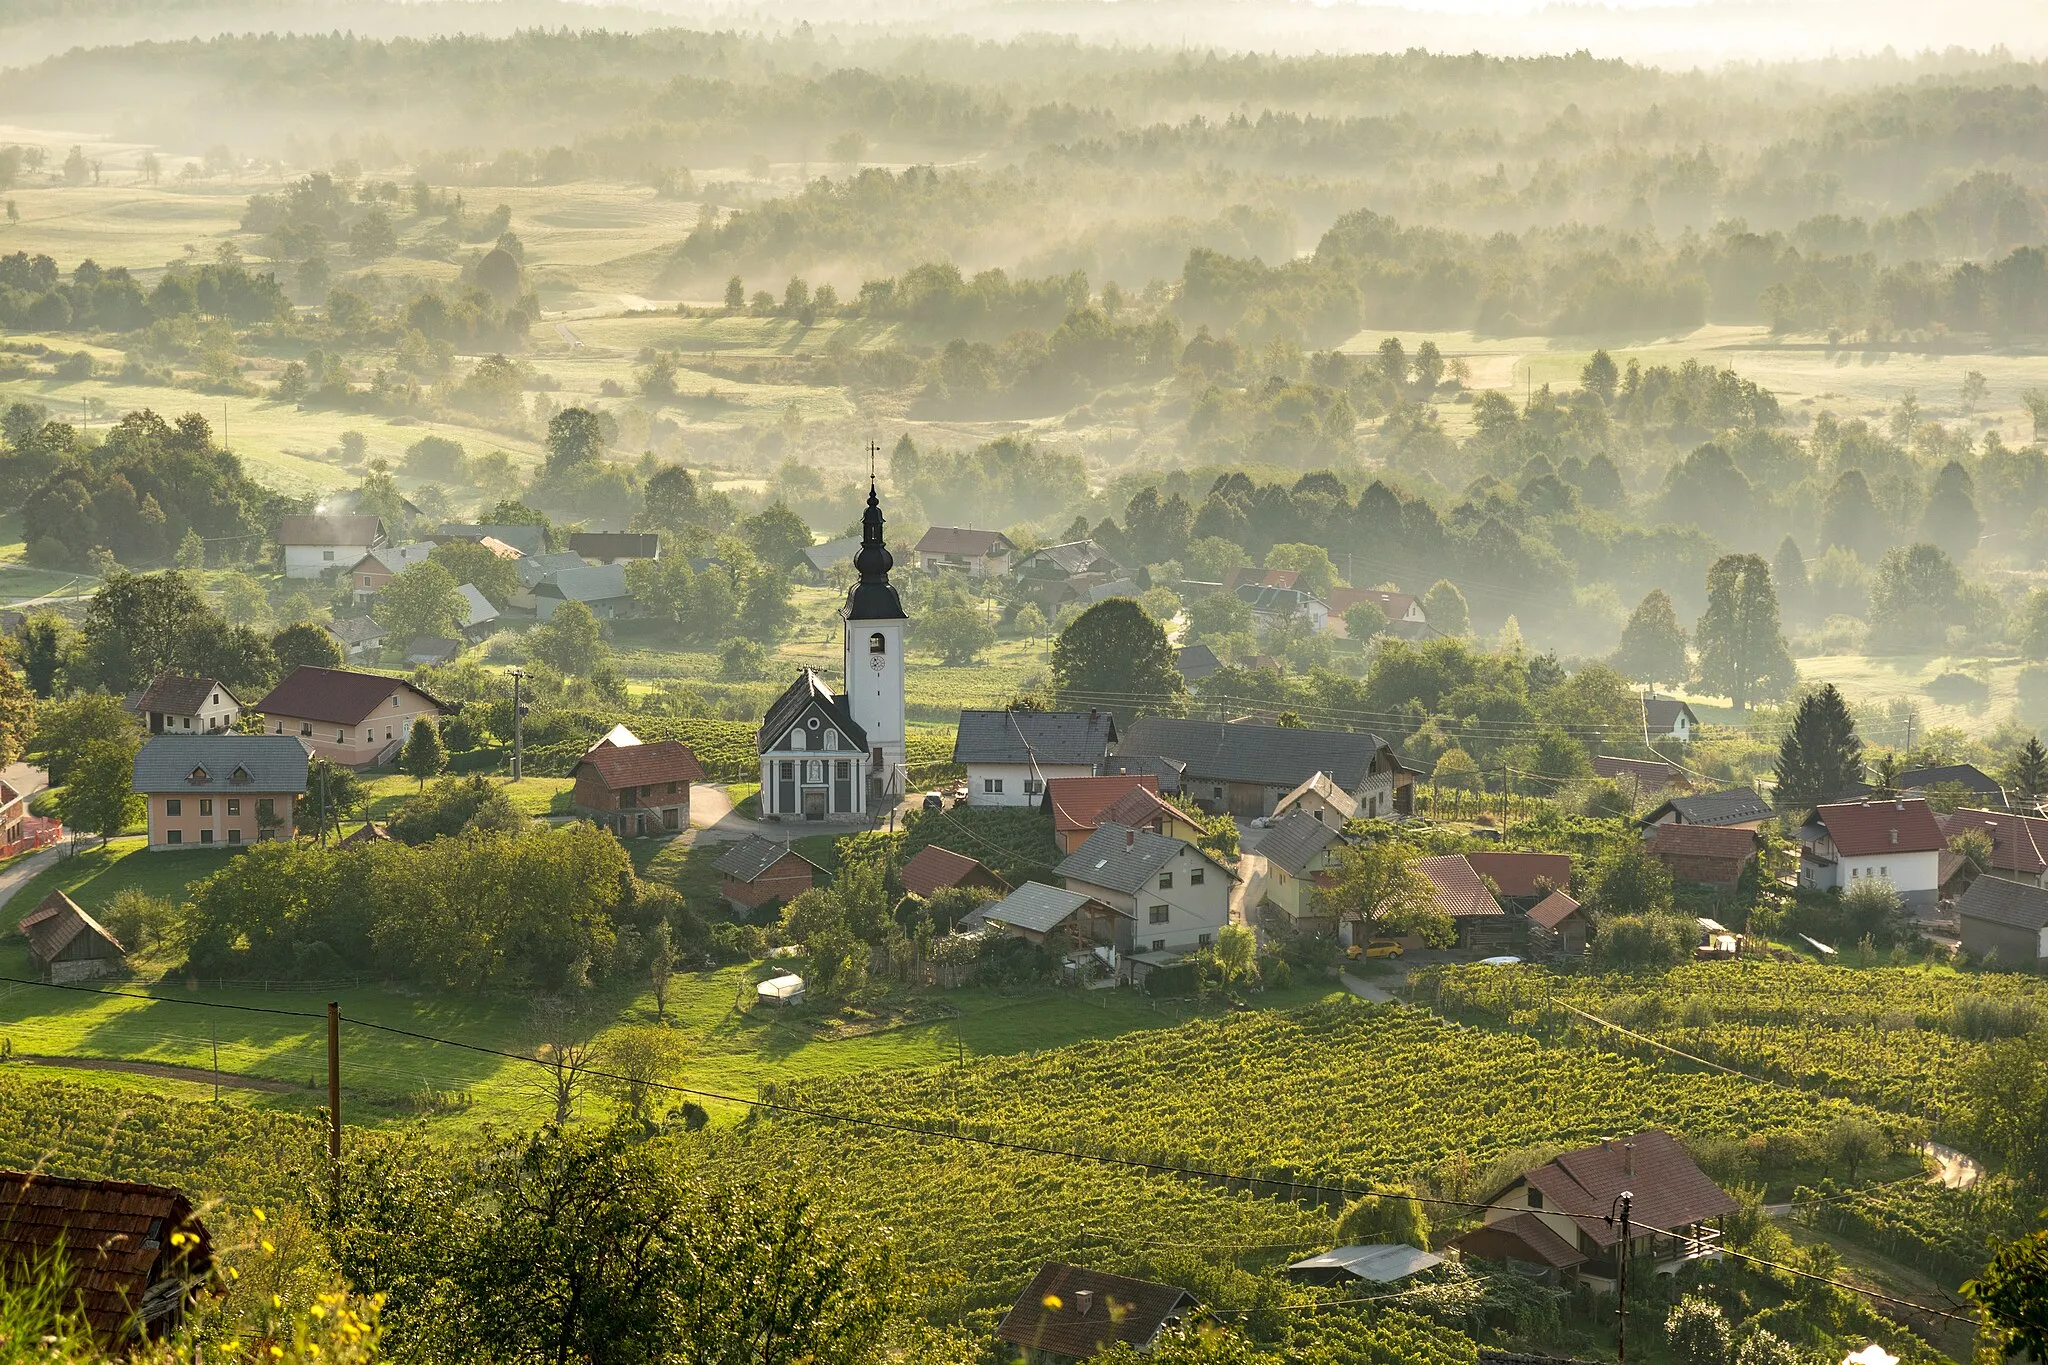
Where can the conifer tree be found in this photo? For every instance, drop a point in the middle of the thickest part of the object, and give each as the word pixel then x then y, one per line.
pixel 2027 774
pixel 1820 759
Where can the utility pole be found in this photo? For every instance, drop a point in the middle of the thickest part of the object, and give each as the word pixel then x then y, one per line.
pixel 1909 732
pixel 216 1063
pixel 334 1097
pixel 518 723
pixel 1623 1201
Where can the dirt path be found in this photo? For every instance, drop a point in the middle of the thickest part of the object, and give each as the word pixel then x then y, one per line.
pixel 199 1075
pixel 1953 1170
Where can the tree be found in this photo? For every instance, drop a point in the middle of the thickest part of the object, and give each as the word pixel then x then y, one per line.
pixel 1698 1332
pixel 571 641
pixel 422 601
pixel 1312 562
pixel 565 1052
pixel 96 798
pixel 575 438
pixel 1951 520
pixel 1630 882
pixel 1114 656
pixel 1853 1143
pixel 423 757
pixel 1600 376
pixel 956 634
pixel 64 729
pixel 2013 1291
pixel 134 627
pixel 2036 403
pixel 40 649
pixel 2005 1100
pixel 1456 770
pixel 765 611
pixel 735 294
pixel 636 1062
pixel 1788 570
pixel 458 805
pixel 2027 773
pixel 1362 621
pixel 777 536
pixel 305 645
pixel 1393 1216
pixel 1653 643
pixel 17 715
pixel 1820 759
pixel 1445 607
pixel 661 966
pixel 1237 949
pixel 1742 652
pixel 1915 595
pixel 469 561
pixel 1379 886
pixel 334 794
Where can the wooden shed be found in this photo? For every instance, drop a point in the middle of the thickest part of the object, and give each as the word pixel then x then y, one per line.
pixel 138 1254
pixel 66 944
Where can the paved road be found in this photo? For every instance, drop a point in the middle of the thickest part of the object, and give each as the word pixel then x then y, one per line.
pixel 1365 990
pixel 28 781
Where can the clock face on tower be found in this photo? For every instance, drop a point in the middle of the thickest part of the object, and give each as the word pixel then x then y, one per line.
pixel 875 661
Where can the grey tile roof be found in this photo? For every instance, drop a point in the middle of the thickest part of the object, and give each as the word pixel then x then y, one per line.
pixel 355 630
pixel 752 856
pixel 264 763
pixel 1169 771
pixel 1054 738
pixel 823 557
pixel 397 559
pixel 591 583
pixel 1997 901
pixel 1661 714
pixel 534 569
pixel 477 607
pixel 786 710
pixel 1968 774
pixel 616 544
pixel 1380 1262
pixel 1334 796
pixel 1063 561
pixel 1196 662
pixel 1269 755
pixel 1296 842
pixel 1124 859
pixel 1034 906
pixel 962 540
pixel 1736 806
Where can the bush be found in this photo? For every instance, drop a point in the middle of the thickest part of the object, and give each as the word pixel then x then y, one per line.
pixel 456 804
pixel 1987 1018
pixel 1959 689
pixel 1396 1216
pixel 1648 942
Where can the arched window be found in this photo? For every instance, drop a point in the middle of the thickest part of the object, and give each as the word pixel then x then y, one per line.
pixel 876 644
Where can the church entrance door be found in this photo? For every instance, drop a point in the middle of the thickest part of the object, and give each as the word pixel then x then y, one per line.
pixel 814 805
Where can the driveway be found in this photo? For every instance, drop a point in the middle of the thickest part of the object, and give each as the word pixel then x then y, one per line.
pixel 16 875
pixel 713 820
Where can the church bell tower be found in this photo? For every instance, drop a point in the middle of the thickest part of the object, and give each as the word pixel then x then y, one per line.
pixel 874 626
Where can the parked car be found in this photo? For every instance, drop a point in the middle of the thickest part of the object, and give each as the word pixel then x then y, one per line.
pixel 1379 947
pixel 934 801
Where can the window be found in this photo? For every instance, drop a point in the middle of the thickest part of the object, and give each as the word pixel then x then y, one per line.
pixel 394 699
pixel 327 556
pixel 234 805
pixel 206 805
pixel 991 786
pixel 176 836
pixel 306 728
pixel 234 836
pixel 1033 786
pixel 1158 945
pixel 1166 881
pixel 1202 941
pixel 341 735
pixel 1197 875
pixel 1535 1197
pixel 174 807
pixel 789 772
pixel 1158 914
pixel 205 836
pixel 876 644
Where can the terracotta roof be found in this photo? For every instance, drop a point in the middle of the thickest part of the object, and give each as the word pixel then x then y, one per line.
pixel 335 695
pixel 961 540
pixel 1078 802
pixel 348 529
pixel 1861 828
pixel 1459 892
pixel 1730 842
pixel 935 869
pixel 180 694
pixel 1069 1311
pixel 370 833
pixel 1998 901
pixel 52 926
pixel 1396 605
pixel 1522 874
pixel 1553 910
pixel 1139 807
pixel 1670 1189
pixel 1520 1237
pixel 619 766
pixel 117 1237
pixel 1260 578
pixel 2019 843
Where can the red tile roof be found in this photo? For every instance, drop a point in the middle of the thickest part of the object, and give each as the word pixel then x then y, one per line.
pixel 1553 910
pixel 935 869
pixel 1078 802
pixel 1519 874
pixel 52 926
pixel 1070 1311
pixel 1395 604
pixel 337 696
pixel 1139 807
pixel 1459 892
pixel 1520 1237
pixel 116 1236
pixel 620 766
pixel 1862 828
pixel 1670 1189
pixel 1730 842
pixel 2019 843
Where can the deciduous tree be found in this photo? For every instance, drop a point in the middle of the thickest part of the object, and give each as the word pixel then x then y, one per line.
pixel 1742 652
pixel 1653 643
pixel 304 645
pixel 956 634
pixel 571 641
pixel 96 798
pixel 17 715
pixel 1379 886
pixel 1115 657
pixel 422 601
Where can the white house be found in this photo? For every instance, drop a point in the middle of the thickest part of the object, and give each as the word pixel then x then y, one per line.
pixel 179 704
pixel 1011 755
pixel 979 554
pixel 1271 605
pixel 1669 718
pixel 1403 610
pixel 1177 896
pixel 316 543
pixel 1892 841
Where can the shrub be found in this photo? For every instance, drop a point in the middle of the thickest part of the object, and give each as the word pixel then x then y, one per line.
pixel 1958 689
pixel 1648 942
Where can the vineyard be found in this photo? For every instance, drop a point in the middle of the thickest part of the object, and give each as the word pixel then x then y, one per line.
pixel 1343 1092
pixel 1949 1233
pixel 1388 1337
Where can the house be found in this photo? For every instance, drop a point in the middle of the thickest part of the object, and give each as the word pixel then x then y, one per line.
pixel 13 817
pixel 1077 803
pixel 2019 843
pixel 978 554
pixel 1378 1263
pixel 1067 1313
pixel 1322 799
pixel 1640 777
pixel 358 636
pixel 1143 808
pixel 808 719
pixel 138 1254
pixel 381 565
pixel 220 789
pixel 1291 861
pixel 823 557
pixel 1245 769
pixel 66 944
pixel 354 719
pixel 1011 755
pixel 1270 606
pixel 1165 771
pixel 636 789
pixel 1406 619
pixel 601 587
pixel 615 547
pixel 1196 662
pixel 1559 926
pixel 479 617
pixel 1553 1220
pixel 1983 790
pixel 1706 855
pixel 1523 879
pixel 2007 918
pixel 933 869
pixel 1735 806
pixel 1460 894
pixel 1669 718
pixel 317 543
pixel 535 570
pixel 1178 897
pixel 1060 563
pixel 1894 841
pixel 178 703
pixel 755 871
pixel 1260 578
pixel 428 651
pixel 1062 918
pixel 526 541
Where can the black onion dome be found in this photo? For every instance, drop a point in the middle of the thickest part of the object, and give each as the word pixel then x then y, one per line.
pixel 873 598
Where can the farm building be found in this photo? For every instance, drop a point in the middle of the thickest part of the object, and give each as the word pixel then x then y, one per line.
pixel 2007 918
pixel 1735 806
pixel 66 944
pixel 1011 755
pixel 1708 855
pixel 632 788
pixel 1068 1313
pixel 1558 926
pixel 755 871
pixel 933 869
pixel 1246 769
pixel 139 1253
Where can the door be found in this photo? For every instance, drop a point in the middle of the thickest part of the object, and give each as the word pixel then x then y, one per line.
pixel 785 789
pixel 842 786
pixel 814 804
pixel 640 823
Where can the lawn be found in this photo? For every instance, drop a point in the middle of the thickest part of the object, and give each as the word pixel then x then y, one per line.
pixel 97 874
pixel 535 796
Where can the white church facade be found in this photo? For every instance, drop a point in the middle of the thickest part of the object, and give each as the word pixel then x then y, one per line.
pixel 827 756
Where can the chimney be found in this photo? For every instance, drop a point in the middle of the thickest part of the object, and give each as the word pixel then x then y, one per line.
pixel 1131 838
pixel 1084 1299
pixel 1628 1158
pixel 1900 806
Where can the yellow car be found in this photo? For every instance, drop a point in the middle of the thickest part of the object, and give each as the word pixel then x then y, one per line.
pixel 1379 947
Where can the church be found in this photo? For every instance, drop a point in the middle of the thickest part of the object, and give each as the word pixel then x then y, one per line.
pixel 827 756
